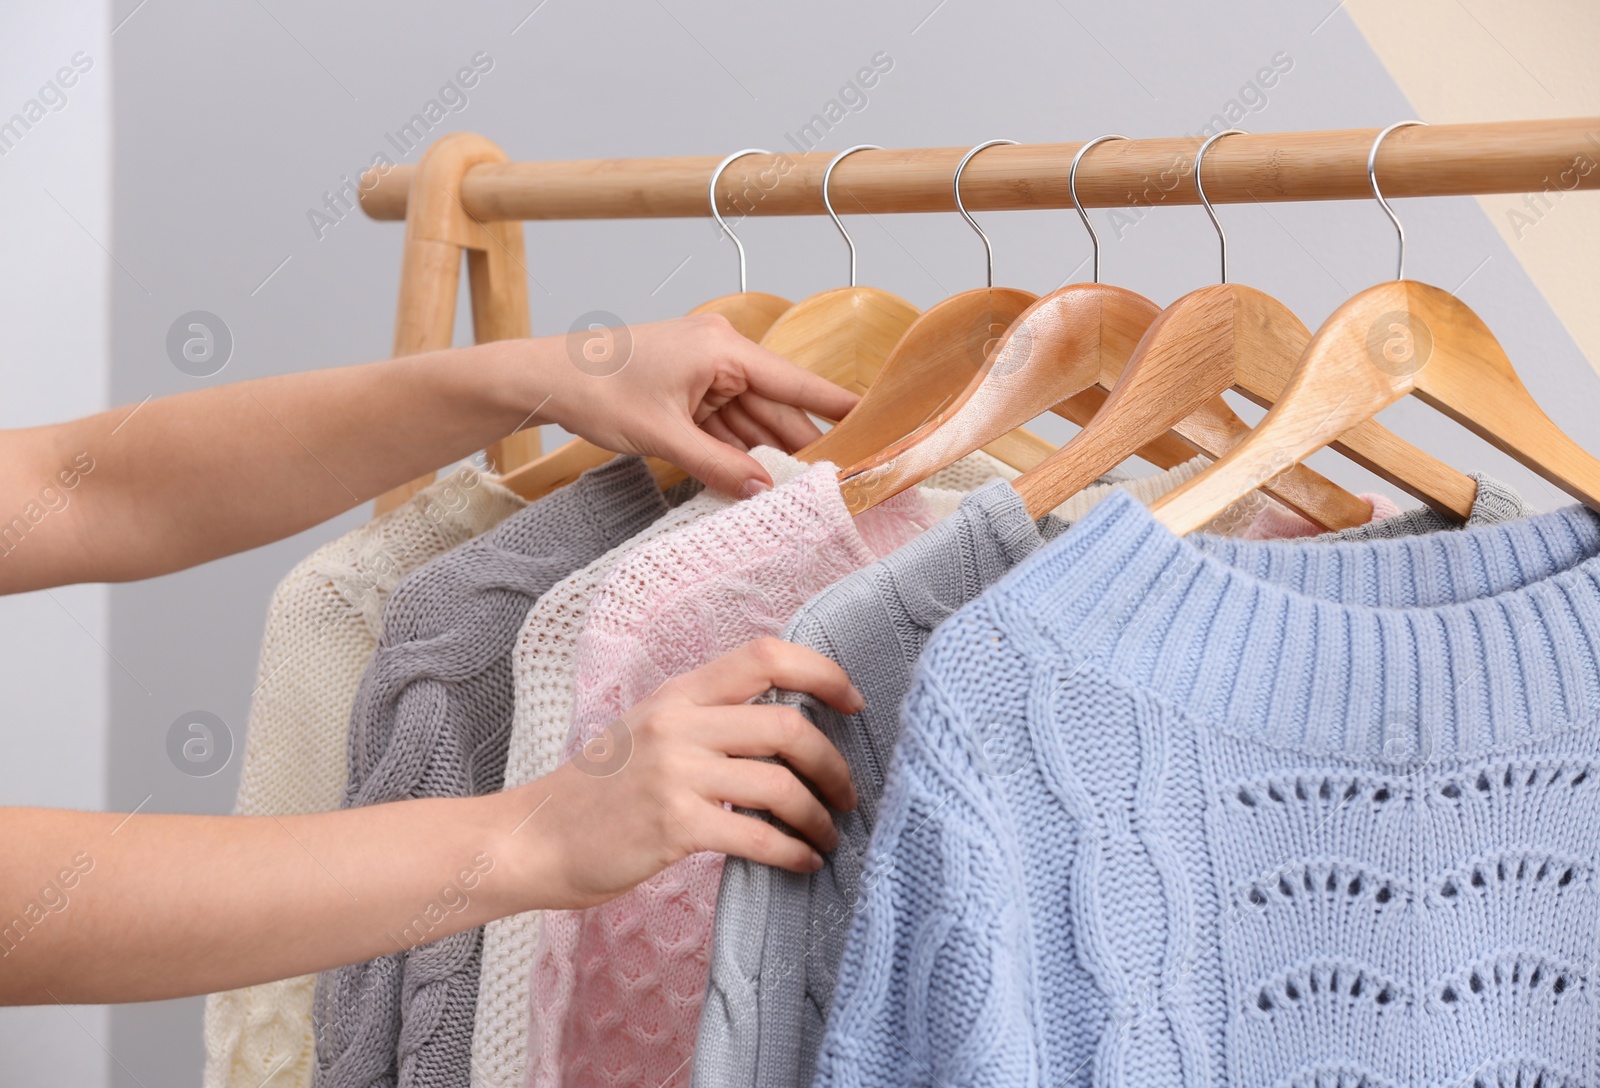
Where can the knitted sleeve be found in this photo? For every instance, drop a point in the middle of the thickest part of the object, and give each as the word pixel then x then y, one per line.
pixel 934 985
pixel 322 628
pixel 432 719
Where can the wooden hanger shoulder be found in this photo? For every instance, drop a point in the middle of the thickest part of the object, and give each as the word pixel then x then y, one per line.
pixel 1179 362
pixel 844 334
pixel 923 373
pixel 1388 341
pixel 1276 340
pixel 1050 353
pixel 751 313
pixel 1458 367
pixel 1187 357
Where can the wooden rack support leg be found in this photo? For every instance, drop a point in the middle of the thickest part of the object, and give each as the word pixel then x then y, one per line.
pixel 438 229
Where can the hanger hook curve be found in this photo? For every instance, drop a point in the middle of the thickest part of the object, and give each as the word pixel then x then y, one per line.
pixel 1372 179
pixel 827 202
pixel 1072 187
pixel 988 250
pixel 716 175
pixel 1199 157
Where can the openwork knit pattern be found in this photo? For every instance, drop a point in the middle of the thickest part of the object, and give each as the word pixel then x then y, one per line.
pixel 432 718
pixel 779 936
pixel 617 989
pixel 542 669
pixel 322 628
pixel 1155 820
pixel 543 660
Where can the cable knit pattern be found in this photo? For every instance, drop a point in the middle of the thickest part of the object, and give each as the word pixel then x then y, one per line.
pixel 322 627
pixel 542 670
pixel 1155 819
pixel 431 719
pixel 617 989
pixel 779 936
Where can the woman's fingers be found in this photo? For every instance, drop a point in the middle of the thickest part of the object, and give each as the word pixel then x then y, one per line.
pixel 782 732
pixel 764 663
pixel 772 787
pixel 749 429
pixel 747 837
pixel 792 426
pixel 775 378
pixel 715 456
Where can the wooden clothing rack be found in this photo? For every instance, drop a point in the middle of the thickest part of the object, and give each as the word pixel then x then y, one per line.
pixel 463 195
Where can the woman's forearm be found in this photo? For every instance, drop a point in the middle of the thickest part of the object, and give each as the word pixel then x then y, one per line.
pixel 99 907
pixel 171 482
pixel 105 907
pixel 147 489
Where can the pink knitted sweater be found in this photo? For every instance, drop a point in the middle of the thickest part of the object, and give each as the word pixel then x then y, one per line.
pixel 617 988
pixel 1278 522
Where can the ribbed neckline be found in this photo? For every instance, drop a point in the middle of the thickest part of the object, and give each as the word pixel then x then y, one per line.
pixel 1416 650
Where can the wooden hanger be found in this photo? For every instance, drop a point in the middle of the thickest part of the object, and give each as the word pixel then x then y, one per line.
pixel 1216 338
pixel 752 313
pixel 931 364
pixel 1396 338
pixel 844 334
pixel 1056 351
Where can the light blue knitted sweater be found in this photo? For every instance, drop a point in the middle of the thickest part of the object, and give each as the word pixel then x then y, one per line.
pixel 1299 817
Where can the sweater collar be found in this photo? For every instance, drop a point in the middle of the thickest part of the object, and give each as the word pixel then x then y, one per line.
pixel 1417 650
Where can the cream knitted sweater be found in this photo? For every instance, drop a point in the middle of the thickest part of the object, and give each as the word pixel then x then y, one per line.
pixel 322 627
pixel 542 669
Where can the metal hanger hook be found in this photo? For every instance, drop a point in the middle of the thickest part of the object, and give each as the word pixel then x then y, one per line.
pixel 988 250
pixel 1199 157
pixel 716 175
pixel 827 202
pixel 1372 179
pixel 1072 187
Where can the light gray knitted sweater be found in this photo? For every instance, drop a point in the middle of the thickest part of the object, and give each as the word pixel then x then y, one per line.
pixel 779 936
pixel 432 719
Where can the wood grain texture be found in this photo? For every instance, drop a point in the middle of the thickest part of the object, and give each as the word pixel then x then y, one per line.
pixel 924 372
pixel 1389 340
pixel 497 283
pixel 1172 379
pixel 437 230
pixel 1239 336
pixel 844 334
pixel 1168 451
pixel 751 313
pixel 1440 160
pixel 1053 351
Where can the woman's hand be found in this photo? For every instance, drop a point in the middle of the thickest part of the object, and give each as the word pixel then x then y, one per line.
pixel 694 392
pixel 652 788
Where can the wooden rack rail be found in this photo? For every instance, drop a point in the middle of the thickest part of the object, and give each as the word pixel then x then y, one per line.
pixel 463 196
pixel 1438 160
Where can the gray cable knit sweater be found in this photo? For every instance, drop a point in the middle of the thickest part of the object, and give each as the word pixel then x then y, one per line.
pixel 779 936
pixel 432 719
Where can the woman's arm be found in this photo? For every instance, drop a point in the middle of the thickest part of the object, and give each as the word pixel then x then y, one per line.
pixel 156 487
pixel 104 907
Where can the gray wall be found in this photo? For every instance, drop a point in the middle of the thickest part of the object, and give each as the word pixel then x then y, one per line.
pixel 55 212
pixel 232 119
